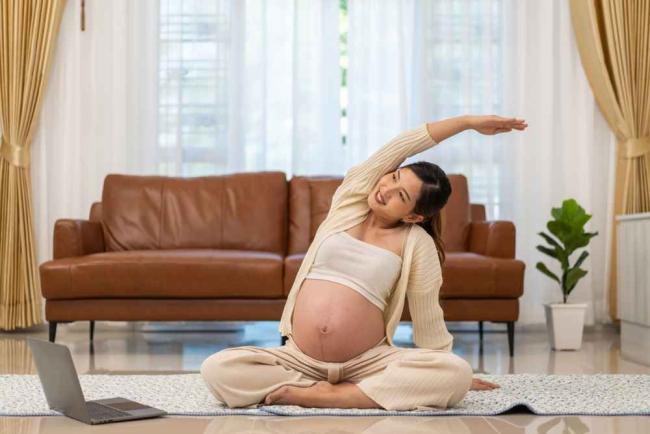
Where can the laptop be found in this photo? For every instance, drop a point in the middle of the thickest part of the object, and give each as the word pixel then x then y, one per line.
pixel 63 391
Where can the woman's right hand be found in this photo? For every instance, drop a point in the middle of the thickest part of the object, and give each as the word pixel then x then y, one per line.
pixel 492 124
pixel 478 384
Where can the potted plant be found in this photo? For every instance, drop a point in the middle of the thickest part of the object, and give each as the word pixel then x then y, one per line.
pixel 565 321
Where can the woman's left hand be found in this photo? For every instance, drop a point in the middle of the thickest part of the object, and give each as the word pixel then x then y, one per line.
pixel 478 384
pixel 492 124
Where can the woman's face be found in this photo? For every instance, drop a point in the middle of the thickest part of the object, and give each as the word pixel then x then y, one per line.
pixel 395 195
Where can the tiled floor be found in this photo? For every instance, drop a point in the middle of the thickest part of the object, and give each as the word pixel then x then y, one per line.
pixel 122 350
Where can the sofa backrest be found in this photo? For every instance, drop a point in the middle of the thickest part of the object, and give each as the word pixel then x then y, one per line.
pixel 310 198
pixel 242 211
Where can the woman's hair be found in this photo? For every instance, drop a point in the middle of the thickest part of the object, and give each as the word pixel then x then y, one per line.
pixel 434 194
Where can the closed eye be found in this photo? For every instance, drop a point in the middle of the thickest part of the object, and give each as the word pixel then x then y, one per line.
pixel 400 193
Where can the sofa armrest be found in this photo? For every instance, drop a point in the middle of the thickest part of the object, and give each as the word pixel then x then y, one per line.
pixel 77 238
pixel 492 238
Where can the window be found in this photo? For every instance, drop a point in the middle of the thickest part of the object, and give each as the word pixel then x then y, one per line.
pixel 192 92
pixel 462 74
pixel 466 70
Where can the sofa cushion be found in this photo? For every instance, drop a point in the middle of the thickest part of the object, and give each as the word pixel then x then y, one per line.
pixel 470 275
pixel 185 273
pixel 241 211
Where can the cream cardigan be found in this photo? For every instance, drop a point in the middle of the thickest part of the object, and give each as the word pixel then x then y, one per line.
pixel 421 274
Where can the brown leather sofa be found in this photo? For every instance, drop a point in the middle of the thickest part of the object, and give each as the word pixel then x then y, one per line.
pixel 228 248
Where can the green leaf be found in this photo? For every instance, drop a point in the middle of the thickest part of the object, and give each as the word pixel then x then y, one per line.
pixel 581 259
pixel 563 257
pixel 560 229
pixel 549 252
pixel 549 239
pixel 568 228
pixel 542 267
pixel 569 220
pixel 557 253
pixel 573 276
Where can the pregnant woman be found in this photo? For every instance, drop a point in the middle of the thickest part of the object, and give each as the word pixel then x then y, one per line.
pixel 379 245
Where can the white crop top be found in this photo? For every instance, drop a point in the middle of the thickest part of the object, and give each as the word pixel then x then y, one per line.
pixel 368 269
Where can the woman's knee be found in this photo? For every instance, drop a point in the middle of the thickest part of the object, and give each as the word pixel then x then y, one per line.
pixel 456 370
pixel 236 375
pixel 222 369
pixel 461 372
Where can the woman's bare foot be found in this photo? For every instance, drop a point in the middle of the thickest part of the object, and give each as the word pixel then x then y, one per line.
pixel 303 396
pixel 322 394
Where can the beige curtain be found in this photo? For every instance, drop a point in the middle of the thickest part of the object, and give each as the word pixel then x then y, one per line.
pixel 613 37
pixel 28 31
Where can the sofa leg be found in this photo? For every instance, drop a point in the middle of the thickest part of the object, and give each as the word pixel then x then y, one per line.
pixel 92 330
pixel 52 330
pixel 511 337
pixel 284 340
pixel 480 333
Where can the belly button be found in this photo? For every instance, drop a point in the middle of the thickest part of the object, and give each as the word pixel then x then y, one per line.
pixel 323 329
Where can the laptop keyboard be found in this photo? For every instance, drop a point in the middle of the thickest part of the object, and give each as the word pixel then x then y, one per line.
pixel 99 411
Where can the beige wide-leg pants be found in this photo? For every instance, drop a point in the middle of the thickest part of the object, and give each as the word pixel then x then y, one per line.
pixel 394 377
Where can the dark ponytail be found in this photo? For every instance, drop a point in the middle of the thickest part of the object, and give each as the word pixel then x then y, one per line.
pixel 434 194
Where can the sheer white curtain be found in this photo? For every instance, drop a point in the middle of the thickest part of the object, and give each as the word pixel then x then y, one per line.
pixel 249 85
pixel 185 88
pixel 415 61
pixel 192 88
pixel 98 114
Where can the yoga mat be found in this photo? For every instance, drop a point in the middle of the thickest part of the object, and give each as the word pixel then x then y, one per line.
pixel 187 395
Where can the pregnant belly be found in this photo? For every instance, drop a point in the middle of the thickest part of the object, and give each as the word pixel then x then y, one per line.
pixel 333 323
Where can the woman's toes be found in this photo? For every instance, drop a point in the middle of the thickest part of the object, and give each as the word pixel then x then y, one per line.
pixel 277 396
pixel 296 395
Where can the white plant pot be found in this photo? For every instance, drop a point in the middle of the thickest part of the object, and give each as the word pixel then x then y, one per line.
pixel 565 322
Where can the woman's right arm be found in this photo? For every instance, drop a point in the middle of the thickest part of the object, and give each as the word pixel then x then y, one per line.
pixel 487 124
pixel 406 144
pixel 360 179
pixel 441 130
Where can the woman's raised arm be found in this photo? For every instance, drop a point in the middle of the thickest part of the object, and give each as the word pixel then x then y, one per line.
pixel 441 130
pixel 488 124
pixel 360 179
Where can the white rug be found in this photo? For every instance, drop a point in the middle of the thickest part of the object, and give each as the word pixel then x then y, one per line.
pixel 186 394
